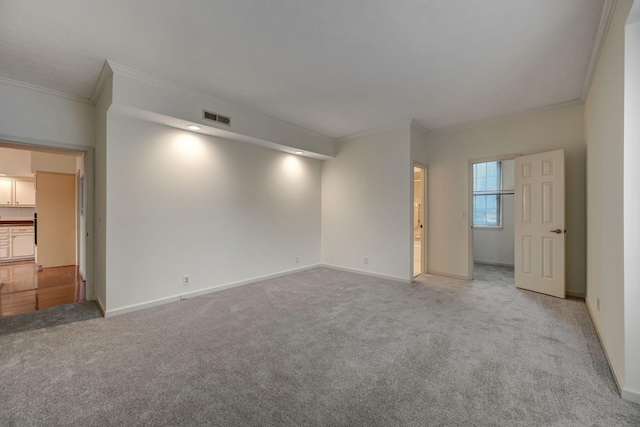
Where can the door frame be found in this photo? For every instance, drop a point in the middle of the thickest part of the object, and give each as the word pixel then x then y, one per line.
pixel 89 171
pixel 470 164
pixel 424 217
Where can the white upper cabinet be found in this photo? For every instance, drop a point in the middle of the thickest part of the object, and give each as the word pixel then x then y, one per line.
pixel 25 193
pixel 6 192
pixel 17 192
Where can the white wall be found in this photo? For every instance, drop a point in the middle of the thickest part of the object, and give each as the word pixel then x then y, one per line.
pixel 495 246
pixel 145 93
pixel 220 211
pixel 366 204
pixel 632 204
pixel 100 192
pixel 15 162
pixel 604 126
pixel 31 116
pixel 51 162
pixel 448 192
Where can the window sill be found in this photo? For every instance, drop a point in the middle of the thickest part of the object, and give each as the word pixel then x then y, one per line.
pixel 484 227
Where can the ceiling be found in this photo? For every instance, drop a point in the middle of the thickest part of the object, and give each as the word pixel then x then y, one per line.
pixel 335 67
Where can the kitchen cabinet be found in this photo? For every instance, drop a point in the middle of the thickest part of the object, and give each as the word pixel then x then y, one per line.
pixel 22 245
pixel 17 192
pixel 16 243
pixel 24 192
pixel 6 192
pixel 5 243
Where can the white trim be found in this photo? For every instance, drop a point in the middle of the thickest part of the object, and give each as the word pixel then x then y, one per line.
pixel 601 34
pixel 199 292
pixel 101 307
pixel 44 90
pixel 501 264
pixel 375 131
pixel 617 378
pixel 105 73
pixel 630 395
pixel 368 273
pixel 453 276
pixel 128 72
pixel 574 294
pixel 506 117
pixel 413 122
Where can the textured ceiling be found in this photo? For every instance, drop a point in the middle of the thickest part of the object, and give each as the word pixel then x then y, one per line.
pixel 336 67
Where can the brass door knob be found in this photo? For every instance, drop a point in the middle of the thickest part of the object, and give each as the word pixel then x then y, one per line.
pixel 557 231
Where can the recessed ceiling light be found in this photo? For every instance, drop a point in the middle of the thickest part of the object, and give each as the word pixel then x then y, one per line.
pixel 299 152
pixel 193 127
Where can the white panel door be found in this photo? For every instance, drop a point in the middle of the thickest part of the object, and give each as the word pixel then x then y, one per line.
pixel 540 223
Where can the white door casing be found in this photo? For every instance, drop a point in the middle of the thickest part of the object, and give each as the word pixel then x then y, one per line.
pixel 540 223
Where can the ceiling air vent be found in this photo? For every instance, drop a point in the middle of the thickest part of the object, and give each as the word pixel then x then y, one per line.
pixel 215 117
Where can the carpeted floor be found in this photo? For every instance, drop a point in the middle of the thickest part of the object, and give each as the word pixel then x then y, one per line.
pixel 320 347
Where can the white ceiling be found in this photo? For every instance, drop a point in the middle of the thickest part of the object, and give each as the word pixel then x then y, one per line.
pixel 333 66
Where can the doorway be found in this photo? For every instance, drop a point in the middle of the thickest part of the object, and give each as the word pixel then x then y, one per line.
pixel 491 213
pixel 41 223
pixel 419 220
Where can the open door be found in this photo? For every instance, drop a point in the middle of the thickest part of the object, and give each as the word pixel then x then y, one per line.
pixel 419 220
pixel 540 223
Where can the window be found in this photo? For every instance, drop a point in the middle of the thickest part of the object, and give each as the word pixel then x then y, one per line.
pixel 487 187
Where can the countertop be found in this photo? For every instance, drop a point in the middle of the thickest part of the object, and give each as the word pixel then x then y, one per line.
pixel 13 221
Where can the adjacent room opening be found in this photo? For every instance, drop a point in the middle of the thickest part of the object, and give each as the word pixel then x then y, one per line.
pixel 42 221
pixel 492 212
pixel 419 220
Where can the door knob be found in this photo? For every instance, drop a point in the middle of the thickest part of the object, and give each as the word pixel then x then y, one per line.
pixel 557 231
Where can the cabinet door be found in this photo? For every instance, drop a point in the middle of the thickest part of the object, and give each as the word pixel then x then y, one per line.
pixel 21 245
pixel 6 192
pixel 25 193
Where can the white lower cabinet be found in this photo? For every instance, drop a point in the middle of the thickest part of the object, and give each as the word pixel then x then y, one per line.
pixel 5 246
pixel 22 245
pixel 16 243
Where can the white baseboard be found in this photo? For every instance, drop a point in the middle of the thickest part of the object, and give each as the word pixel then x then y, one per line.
pixel 101 307
pixel 216 288
pixel 502 264
pixel 616 376
pixel 631 395
pixel 453 276
pixel 574 294
pixel 368 273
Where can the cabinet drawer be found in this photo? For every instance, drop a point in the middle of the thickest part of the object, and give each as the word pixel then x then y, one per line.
pixel 21 230
pixel 4 230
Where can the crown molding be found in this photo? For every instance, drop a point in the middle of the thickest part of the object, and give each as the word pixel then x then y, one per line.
pixel 598 42
pixel 121 69
pixel 419 126
pixel 105 73
pixel 374 131
pixel 44 90
pixel 506 117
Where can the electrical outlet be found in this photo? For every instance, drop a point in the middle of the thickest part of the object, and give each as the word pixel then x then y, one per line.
pixel 185 280
pixel 366 260
pixel 598 303
pixel 297 259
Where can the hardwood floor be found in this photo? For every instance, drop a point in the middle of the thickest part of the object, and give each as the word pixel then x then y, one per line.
pixel 23 288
